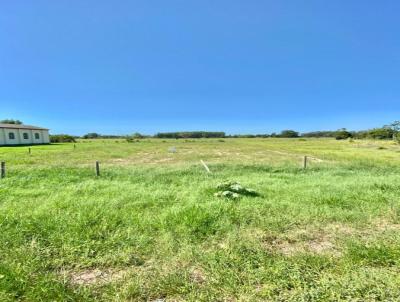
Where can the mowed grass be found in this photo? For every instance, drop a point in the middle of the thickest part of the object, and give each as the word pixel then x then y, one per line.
pixel 150 228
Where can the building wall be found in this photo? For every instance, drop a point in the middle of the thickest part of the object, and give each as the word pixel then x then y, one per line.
pixel 23 136
pixel 45 137
pixel 2 136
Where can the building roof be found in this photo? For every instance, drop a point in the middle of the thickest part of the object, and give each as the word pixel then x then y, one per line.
pixel 16 126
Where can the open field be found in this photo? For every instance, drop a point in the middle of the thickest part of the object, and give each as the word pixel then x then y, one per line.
pixel 151 229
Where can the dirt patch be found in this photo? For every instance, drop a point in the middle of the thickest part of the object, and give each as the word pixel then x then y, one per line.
pixel 95 276
pixel 384 225
pixel 325 239
pixel 303 241
pixel 198 276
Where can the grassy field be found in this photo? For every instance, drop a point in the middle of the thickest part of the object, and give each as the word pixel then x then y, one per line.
pixel 150 228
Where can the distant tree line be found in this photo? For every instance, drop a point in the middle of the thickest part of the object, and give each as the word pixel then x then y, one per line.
pixel 282 134
pixel 391 131
pixel 191 134
pixel 95 135
pixel 387 132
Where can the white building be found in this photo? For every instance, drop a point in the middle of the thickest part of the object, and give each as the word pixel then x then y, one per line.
pixel 11 134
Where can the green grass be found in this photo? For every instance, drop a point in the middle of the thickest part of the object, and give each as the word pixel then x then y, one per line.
pixel 151 228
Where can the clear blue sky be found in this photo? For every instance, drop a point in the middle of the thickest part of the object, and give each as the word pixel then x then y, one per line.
pixel 252 66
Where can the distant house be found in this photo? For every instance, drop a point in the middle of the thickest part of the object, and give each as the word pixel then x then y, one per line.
pixel 13 134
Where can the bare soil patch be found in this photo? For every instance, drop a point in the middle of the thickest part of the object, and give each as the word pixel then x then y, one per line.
pixel 95 276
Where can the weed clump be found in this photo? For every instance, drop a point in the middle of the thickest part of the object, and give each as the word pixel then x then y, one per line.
pixel 233 190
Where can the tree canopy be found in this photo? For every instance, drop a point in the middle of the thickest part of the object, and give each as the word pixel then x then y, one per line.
pixel 289 134
pixel 11 121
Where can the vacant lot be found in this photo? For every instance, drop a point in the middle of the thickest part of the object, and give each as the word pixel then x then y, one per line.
pixel 150 228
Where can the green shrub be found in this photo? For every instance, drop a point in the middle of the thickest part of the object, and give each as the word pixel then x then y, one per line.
pixel 343 134
pixel 62 138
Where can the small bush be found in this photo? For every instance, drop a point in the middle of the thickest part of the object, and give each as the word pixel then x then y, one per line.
pixel 234 190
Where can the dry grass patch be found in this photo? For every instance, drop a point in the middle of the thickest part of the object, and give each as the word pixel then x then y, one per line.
pixel 197 275
pixel 303 241
pixel 95 276
pixel 325 239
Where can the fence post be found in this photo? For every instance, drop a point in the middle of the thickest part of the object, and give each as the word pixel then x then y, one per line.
pixel 29 150
pixel 3 170
pixel 97 168
pixel 205 166
pixel 305 162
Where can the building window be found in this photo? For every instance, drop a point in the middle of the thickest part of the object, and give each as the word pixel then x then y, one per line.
pixel 37 136
pixel 26 136
pixel 11 135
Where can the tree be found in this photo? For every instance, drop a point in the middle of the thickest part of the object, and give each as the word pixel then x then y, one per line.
pixel 11 121
pixel 381 133
pixel 319 134
pixel 396 130
pixel 91 135
pixel 395 126
pixel 343 134
pixel 289 134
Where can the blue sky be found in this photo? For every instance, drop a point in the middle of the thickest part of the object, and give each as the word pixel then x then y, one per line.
pixel 254 66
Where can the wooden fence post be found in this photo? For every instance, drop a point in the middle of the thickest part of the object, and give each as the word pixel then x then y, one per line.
pixel 305 162
pixel 3 170
pixel 205 166
pixel 97 168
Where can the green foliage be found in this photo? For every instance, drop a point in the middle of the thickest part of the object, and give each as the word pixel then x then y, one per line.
pixel 343 134
pixel 233 189
pixel 62 138
pixel 191 134
pixel 92 135
pixel 380 133
pixel 11 121
pixel 319 134
pixel 289 134
pixel 386 132
pixel 134 137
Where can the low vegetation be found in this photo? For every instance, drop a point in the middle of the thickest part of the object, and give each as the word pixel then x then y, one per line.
pixel 387 132
pixel 62 138
pixel 150 228
pixel 191 134
pixel 11 121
